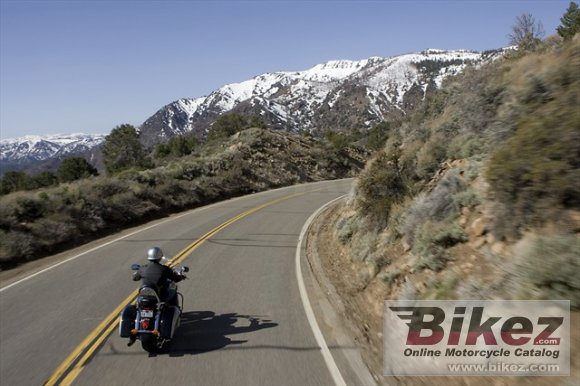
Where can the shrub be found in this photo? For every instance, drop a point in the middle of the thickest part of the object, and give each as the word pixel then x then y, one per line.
pixel 28 207
pixel 126 208
pixel 108 187
pixel 408 161
pixel 177 146
pixel 377 135
pixel 546 267
pixel 438 205
pixel 380 185
pixel 363 246
pixel 346 227
pixel 389 277
pixel 8 211
pixel 231 123
pixel 435 259
pixel 467 199
pixel 432 241
pixel 17 247
pixel 464 146
pixel 444 287
pixel 539 167
pixel 52 232
pixel 430 156
pixel 337 140
pixel 535 173
pixel 378 259
pixel 190 171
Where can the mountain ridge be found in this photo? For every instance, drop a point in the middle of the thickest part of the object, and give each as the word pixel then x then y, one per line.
pixel 338 95
pixel 300 100
pixel 31 151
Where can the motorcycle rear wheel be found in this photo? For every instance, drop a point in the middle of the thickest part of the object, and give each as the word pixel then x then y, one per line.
pixel 149 343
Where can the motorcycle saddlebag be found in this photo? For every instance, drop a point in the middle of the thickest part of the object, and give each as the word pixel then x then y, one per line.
pixel 127 320
pixel 169 322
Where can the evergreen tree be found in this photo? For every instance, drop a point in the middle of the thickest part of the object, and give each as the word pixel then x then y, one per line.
pixel 162 150
pixel 44 179
pixel 182 145
pixel 570 22
pixel 377 135
pixel 229 124
pixel 75 168
pixel 14 181
pixel 226 125
pixel 176 146
pixel 257 121
pixel 338 140
pixel 122 150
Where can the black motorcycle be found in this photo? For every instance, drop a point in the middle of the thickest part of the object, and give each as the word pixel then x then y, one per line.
pixel 152 320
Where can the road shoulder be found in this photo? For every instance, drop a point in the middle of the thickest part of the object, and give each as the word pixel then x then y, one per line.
pixel 329 310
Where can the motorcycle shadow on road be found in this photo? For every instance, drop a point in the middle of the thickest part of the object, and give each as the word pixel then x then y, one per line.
pixel 204 331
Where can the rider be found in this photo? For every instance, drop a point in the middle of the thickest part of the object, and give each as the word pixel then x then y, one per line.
pixel 156 274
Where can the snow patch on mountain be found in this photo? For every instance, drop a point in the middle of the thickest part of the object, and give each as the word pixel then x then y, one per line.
pixel 298 100
pixel 332 71
pixel 33 147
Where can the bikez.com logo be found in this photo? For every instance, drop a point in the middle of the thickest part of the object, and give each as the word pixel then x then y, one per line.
pixel 426 327
pixel 476 337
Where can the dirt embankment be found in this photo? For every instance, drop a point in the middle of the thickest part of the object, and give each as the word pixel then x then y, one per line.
pixel 362 303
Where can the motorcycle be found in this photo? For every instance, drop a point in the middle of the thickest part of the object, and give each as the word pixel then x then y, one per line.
pixel 152 320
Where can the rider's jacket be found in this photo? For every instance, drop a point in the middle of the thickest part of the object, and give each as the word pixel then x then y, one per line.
pixel 157 275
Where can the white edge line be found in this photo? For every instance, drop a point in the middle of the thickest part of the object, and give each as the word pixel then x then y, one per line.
pixel 89 251
pixel 121 238
pixel 330 363
pixel 149 227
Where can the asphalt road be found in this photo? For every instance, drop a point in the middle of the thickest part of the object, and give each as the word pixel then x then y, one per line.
pixel 243 322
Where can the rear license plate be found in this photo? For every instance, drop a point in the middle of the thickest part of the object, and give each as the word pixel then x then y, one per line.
pixel 146 313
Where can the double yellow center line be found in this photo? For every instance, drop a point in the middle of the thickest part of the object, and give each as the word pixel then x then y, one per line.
pixel 71 367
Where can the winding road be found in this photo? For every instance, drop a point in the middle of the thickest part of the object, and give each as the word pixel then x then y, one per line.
pixel 244 321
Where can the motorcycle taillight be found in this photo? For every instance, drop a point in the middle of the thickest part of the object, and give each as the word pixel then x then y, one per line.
pixel 145 324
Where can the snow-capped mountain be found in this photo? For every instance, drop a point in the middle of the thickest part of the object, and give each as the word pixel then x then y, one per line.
pixel 338 95
pixel 20 153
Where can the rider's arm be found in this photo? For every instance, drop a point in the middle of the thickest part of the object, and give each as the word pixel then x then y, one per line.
pixel 174 276
pixel 177 277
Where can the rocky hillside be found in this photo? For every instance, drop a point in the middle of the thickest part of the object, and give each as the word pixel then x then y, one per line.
pixel 337 95
pixel 474 196
pixel 34 223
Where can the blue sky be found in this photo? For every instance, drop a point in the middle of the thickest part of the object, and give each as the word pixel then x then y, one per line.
pixel 86 66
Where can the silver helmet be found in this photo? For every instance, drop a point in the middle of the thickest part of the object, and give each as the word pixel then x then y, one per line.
pixel 154 254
